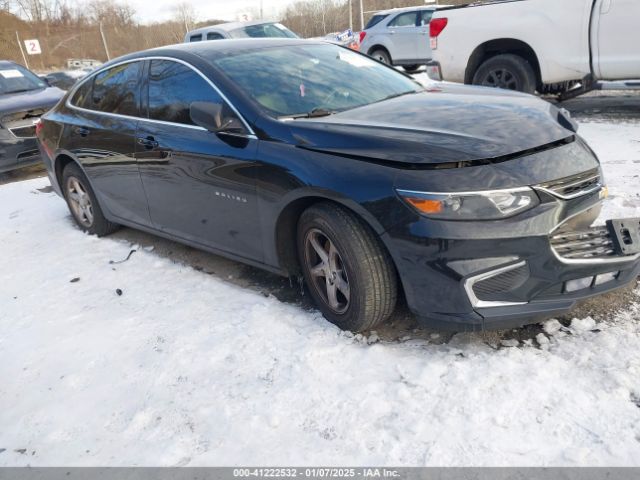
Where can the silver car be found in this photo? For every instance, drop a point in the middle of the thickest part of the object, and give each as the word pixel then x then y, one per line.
pixel 256 29
pixel 399 36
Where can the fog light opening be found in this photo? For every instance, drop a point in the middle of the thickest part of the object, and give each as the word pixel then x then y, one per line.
pixel 606 277
pixel 579 284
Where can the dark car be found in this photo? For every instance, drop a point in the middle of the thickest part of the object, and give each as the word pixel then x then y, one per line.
pixel 64 79
pixel 474 204
pixel 24 97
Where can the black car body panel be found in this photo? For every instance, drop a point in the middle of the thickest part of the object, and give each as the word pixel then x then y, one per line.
pixel 429 129
pixel 18 114
pixel 240 196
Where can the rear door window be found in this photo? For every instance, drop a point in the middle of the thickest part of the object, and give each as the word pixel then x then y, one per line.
pixel 214 36
pixel 82 97
pixel 196 38
pixel 376 19
pixel 117 90
pixel 407 19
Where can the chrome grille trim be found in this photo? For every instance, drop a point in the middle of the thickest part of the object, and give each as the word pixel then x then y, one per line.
pixel 589 244
pixel 574 186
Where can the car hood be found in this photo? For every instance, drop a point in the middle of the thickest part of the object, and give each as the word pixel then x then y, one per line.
pixel 443 124
pixel 43 98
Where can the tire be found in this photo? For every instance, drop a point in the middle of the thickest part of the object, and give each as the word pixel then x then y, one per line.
pixel 352 254
pixel 83 204
pixel 411 68
pixel 381 55
pixel 507 71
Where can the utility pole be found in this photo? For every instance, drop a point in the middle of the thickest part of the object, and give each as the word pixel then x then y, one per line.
pixel 350 16
pixel 361 16
pixel 24 57
pixel 104 42
pixel 261 9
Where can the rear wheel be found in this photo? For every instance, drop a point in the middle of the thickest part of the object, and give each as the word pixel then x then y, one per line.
pixel 348 272
pixel 83 203
pixel 381 55
pixel 411 68
pixel 510 72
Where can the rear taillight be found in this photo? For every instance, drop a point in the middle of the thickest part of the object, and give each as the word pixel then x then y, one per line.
pixel 362 35
pixel 436 26
pixel 38 128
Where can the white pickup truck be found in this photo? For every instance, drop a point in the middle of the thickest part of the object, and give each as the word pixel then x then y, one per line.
pixel 550 46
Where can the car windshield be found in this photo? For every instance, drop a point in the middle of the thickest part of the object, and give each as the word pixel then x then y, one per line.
pixel 301 80
pixel 16 79
pixel 376 19
pixel 270 30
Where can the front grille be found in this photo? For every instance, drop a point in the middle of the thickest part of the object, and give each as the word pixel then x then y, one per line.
pixel 575 185
pixel 27 131
pixel 501 283
pixel 587 244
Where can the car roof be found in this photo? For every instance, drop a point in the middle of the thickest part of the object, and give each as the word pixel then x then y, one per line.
pixel 208 50
pixel 227 46
pixel 229 26
pixel 409 9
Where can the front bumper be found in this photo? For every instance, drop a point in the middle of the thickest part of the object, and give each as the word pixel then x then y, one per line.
pixel 506 282
pixel 16 152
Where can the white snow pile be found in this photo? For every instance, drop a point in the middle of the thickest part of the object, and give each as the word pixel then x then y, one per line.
pixel 185 369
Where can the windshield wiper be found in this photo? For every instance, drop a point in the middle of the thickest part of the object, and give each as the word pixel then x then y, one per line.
pixel 316 112
pixel 396 95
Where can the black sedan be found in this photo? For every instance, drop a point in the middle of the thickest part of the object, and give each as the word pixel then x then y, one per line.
pixel 23 99
pixel 308 159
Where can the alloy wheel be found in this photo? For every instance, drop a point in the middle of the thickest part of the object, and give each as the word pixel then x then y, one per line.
pixel 80 202
pixel 501 78
pixel 327 271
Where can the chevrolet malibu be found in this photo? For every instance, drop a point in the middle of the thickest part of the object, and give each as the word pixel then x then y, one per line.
pixel 310 160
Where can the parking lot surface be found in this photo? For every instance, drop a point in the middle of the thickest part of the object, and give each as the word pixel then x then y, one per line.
pixel 173 356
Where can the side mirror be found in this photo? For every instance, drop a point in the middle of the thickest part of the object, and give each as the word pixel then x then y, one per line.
pixel 209 115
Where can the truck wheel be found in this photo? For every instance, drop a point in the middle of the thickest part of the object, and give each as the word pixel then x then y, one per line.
pixel 347 270
pixel 507 71
pixel 381 55
pixel 411 68
pixel 83 203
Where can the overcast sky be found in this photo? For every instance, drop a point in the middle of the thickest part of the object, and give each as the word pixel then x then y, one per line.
pixel 158 10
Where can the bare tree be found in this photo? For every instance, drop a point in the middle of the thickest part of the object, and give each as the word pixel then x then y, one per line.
pixel 184 14
pixel 111 13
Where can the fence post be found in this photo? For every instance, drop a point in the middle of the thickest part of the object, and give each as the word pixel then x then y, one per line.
pixel 104 42
pixel 24 57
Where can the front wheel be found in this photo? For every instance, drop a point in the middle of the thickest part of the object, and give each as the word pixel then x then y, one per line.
pixel 348 272
pixel 508 71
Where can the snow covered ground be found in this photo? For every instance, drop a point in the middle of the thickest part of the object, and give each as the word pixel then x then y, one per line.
pixel 183 368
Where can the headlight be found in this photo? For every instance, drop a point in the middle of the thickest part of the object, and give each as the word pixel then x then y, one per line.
pixel 487 205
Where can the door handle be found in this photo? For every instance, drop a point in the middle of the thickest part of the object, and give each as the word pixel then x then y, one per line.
pixel 147 142
pixel 82 131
